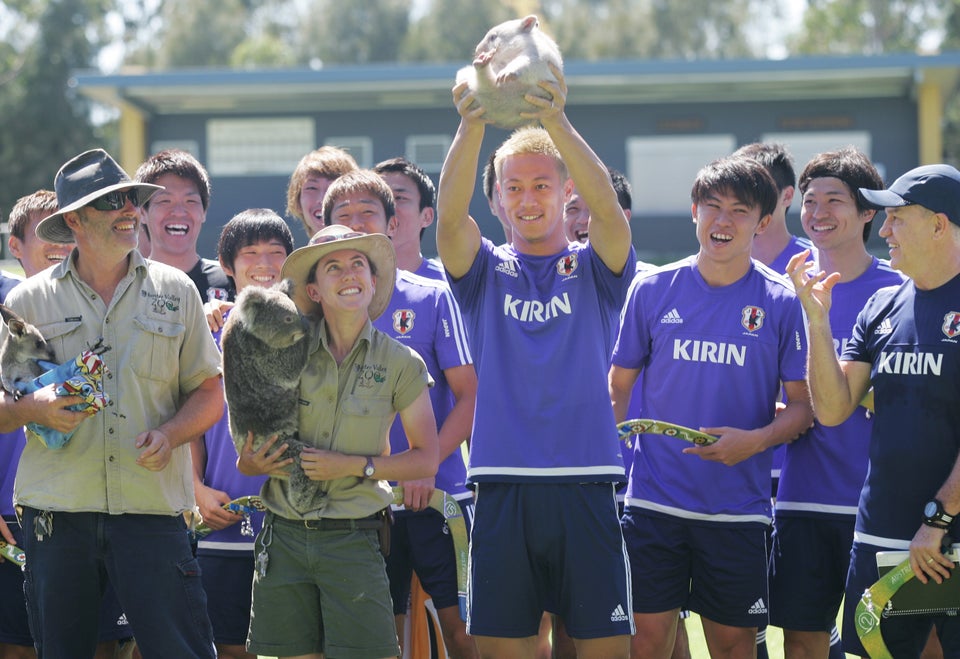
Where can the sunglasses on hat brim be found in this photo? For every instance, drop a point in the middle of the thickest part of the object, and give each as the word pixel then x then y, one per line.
pixel 114 201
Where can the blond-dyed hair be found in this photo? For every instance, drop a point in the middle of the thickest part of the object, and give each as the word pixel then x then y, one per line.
pixel 529 140
pixel 328 162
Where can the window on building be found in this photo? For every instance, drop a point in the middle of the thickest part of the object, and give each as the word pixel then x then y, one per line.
pixel 248 147
pixel 361 148
pixel 661 169
pixel 428 151
pixel 803 146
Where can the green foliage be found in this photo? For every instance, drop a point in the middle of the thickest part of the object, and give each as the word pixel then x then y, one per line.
pixel 451 29
pixel 43 122
pixel 865 27
pixel 353 32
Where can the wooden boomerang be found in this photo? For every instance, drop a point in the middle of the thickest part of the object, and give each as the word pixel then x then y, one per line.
pixel 447 506
pixel 652 427
pixel 12 553
pixel 871 605
pixel 241 505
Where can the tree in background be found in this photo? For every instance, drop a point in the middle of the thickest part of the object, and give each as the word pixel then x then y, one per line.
pixel 866 27
pixel 353 32
pixel 42 122
pixel 450 30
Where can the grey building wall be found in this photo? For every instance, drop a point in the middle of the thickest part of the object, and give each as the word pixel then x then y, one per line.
pixel 890 122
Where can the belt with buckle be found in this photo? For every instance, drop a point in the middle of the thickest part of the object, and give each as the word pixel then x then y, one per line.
pixel 374 521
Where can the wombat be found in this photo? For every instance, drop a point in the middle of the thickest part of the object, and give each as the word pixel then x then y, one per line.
pixel 265 343
pixel 20 352
pixel 510 60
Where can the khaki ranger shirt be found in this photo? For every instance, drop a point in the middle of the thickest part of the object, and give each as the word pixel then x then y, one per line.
pixel 349 408
pixel 160 351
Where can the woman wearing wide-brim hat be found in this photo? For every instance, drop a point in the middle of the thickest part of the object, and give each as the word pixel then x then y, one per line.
pixel 321 584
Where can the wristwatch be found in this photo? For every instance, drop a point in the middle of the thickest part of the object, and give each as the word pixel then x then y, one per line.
pixel 369 470
pixel 934 515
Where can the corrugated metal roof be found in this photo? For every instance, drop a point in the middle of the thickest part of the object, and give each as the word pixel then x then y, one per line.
pixel 202 91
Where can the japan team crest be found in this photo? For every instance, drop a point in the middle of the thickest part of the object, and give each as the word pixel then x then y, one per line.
pixel 403 320
pixel 951 324
pixel 752 318
pixel 567 264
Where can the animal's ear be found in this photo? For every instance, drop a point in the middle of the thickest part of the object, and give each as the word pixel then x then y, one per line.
pixel 286 287
pixel 11 318
pixel 529 23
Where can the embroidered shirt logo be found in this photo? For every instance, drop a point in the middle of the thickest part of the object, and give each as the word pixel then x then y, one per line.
pixel 752 318
pixel 672 317
pixel 567 264
pixel 403 320
pixel 885 327
pixel 508 268
pixel 951 324
pixel 161 302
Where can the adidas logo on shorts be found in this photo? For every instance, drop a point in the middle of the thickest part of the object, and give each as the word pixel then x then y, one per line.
pixel 618 615
pixel 758 607
pixel 122 620
pixel 672 317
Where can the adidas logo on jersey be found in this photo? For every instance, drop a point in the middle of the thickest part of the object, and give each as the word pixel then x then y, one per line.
pixel 508 268
pixel 758 607
pixel 672 317
pixel 618 614
pixel 885 327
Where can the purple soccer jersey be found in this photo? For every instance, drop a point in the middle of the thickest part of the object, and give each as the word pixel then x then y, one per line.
pixel 432 269
pixel 541 328
pixel 710 356
pixel 221 473
pixel 824 468
pixel 423 316
pixel 779 265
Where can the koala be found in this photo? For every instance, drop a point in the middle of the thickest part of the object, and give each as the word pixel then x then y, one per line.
pixel 21 352
pixel 510 60
pixel 265 343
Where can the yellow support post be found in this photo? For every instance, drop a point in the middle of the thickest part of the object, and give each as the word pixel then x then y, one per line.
pixel 133 138
pixel 929 120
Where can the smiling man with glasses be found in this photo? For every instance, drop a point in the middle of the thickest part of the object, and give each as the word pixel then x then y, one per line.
pixel 117 490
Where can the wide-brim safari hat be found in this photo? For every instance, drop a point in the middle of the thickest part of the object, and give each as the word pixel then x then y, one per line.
pixel 376 246
pixel 82 179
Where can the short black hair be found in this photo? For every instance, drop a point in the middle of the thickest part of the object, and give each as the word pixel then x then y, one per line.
pixel 180 163
pixel 249 227
pixel 400 165
pixel 739 176
pixel 775 157
pixel 850 166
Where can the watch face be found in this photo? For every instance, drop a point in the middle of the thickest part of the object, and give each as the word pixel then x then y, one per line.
pixel 930 510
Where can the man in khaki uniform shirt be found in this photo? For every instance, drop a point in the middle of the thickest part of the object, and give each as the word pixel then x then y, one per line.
pixel 106 506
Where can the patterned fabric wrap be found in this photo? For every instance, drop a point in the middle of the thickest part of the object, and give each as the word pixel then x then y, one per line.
pixel 81 377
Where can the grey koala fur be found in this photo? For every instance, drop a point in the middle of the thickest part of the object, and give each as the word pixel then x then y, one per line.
pixel 20 351
pixel 510 60
pixel 265 343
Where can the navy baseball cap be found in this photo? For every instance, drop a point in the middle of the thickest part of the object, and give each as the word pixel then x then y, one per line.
pixel 935 187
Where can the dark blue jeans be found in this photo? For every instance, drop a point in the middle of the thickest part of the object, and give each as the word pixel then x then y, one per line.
pixel 147 560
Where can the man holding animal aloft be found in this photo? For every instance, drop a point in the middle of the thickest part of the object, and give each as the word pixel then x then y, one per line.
pixel 108 504
pixel 531 451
